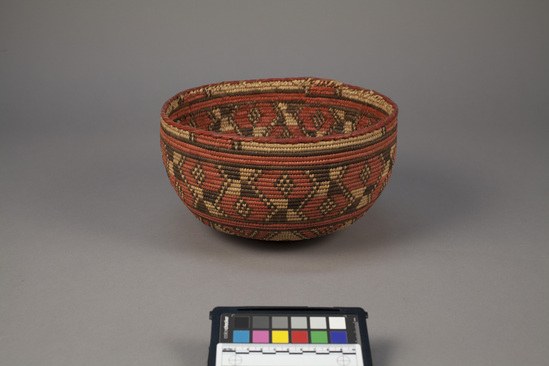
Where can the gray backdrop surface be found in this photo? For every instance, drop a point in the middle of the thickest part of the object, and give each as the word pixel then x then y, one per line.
pixel 101 264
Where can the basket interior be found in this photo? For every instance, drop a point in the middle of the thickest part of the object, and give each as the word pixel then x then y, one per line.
pixel 279 113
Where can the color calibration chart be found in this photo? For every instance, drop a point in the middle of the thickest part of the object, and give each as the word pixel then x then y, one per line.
pixel 284 336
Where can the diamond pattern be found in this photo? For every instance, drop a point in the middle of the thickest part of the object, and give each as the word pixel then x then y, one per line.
pixel 365 173
pixel 285 184
pixel 242 208
pixel 198 174
pixel 327 206
pixel 318 119
pixel 254 116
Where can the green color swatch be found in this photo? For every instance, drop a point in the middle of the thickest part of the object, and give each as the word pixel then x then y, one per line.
pixel 319 336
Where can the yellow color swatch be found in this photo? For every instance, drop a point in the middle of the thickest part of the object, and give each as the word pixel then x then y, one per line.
pixel 280 336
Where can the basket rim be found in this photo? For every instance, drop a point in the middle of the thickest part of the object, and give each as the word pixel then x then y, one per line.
pixel 272 139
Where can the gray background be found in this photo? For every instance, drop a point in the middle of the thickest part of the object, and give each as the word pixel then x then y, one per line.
pixel 101 264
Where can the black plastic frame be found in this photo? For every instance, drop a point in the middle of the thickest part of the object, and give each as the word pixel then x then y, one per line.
pixel 215 317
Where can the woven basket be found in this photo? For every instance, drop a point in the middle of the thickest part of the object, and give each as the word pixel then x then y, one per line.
pixel 279 159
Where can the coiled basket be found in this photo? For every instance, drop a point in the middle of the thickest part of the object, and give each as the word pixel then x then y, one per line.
pixel 279 159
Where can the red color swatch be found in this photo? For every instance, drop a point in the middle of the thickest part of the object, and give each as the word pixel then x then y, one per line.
pixel 300 336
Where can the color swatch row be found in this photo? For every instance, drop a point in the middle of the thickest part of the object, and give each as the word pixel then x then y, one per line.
pixel 294 336
pixel 290 322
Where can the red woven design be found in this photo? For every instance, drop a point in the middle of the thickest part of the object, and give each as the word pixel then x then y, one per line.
pixel 279 159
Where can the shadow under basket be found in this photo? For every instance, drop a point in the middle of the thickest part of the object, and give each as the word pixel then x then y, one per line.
pixel 279 159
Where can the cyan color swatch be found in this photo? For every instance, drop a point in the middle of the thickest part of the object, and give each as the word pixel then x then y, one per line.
pixel 241 336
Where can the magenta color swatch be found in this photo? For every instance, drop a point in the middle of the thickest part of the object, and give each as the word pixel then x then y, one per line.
pixel 260 336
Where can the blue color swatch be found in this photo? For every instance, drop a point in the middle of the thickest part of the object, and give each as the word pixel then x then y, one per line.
pixel 241 336
pixel 338 337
